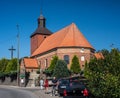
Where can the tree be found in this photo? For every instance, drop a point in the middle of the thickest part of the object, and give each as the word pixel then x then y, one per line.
pixel 104 76
pixel 115 62
pixel 12 66
pixel 61 69
pixel 75 66
pixel 51 68
pixel 3 64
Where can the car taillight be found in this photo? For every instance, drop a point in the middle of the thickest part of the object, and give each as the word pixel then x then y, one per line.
pixel 65 93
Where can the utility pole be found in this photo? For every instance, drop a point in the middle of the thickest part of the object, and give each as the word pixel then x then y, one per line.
pixel 12 49
pixel 18 66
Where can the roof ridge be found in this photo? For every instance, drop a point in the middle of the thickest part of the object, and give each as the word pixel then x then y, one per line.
pixel 66 31
pixel 70 29
pixel 74 33
pixel 82 36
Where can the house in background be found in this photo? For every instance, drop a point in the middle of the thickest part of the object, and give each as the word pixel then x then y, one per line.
pixel 31 67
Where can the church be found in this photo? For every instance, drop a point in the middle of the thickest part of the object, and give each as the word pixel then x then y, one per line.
pixel 65 43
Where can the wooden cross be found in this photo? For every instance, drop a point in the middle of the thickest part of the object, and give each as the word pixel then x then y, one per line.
pixel 12 49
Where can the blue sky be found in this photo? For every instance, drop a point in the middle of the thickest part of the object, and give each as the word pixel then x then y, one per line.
pixel 98 20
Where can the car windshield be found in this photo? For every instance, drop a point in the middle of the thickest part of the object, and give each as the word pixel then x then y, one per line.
pixel 64 82
pixel 76 83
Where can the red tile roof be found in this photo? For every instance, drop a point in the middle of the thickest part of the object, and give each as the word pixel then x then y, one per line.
pixel 69 36
pixel 99 55
pixel 30 63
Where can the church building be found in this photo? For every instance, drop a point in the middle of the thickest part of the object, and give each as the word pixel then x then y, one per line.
pixel 65 43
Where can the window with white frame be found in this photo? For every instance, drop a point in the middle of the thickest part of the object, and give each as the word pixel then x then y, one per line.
pixel 82 58
pixel 46 63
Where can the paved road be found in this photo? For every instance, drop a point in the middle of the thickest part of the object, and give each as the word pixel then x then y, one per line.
pixel 6 92
pixel 41 93
pixel 23 92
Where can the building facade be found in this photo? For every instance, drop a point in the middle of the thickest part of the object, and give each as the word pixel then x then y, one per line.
pixel 64 43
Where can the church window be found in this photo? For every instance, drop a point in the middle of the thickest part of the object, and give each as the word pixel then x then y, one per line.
pixel 40 63
pixel 66 58
pixel 82 58
pixel 46 63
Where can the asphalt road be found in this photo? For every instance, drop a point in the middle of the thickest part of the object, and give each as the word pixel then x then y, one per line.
pixel 6 92
pixel 18 92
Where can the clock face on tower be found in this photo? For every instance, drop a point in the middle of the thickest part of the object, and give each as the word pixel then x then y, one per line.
pixel 82 50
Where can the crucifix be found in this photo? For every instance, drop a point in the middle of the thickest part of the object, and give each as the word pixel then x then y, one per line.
pixel 12 49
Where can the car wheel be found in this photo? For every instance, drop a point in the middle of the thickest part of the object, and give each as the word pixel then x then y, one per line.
pixel 59 94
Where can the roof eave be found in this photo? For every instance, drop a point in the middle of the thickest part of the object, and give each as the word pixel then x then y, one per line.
pixel 61 47
pixel 41 30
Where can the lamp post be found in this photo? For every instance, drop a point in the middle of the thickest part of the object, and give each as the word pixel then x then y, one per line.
pixel 18 67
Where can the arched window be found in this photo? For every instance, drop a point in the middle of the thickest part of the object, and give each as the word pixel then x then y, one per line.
pixel 46 63
pixel 82 58
pixel 39 64
pixel 66 58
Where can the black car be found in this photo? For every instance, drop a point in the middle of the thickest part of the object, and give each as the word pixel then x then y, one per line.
pixel 68 87
pixel 63 84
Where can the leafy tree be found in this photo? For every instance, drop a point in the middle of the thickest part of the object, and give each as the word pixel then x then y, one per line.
pixel 75 66
pixel 105 52
pixel 3 64
pixel 50 69
pixel 115 62
pixel 12 66
pixel 104 76
pixel 61 69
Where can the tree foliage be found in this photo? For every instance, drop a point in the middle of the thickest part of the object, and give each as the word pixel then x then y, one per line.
pixel 8 67
pixel 53 63
pixel 3 64
pixel 104 75
pixel 61 69
pixel 75 66
pixel 50 69
pixel 12 66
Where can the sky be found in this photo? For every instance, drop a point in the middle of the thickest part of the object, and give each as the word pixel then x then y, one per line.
pixel 98 20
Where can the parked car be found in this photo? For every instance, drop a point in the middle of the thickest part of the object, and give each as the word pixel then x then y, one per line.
pixel 68 87
pixel 63 84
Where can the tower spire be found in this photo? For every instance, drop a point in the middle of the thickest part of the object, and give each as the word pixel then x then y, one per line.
pixel 41 19
pixel 41 12
pixel 41 9
pixel 41 4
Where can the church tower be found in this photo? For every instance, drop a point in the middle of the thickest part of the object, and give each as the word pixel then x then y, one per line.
pixel 40 34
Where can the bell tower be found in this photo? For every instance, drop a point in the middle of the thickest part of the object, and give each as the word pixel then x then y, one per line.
pixel 40 34
pixel 41 21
